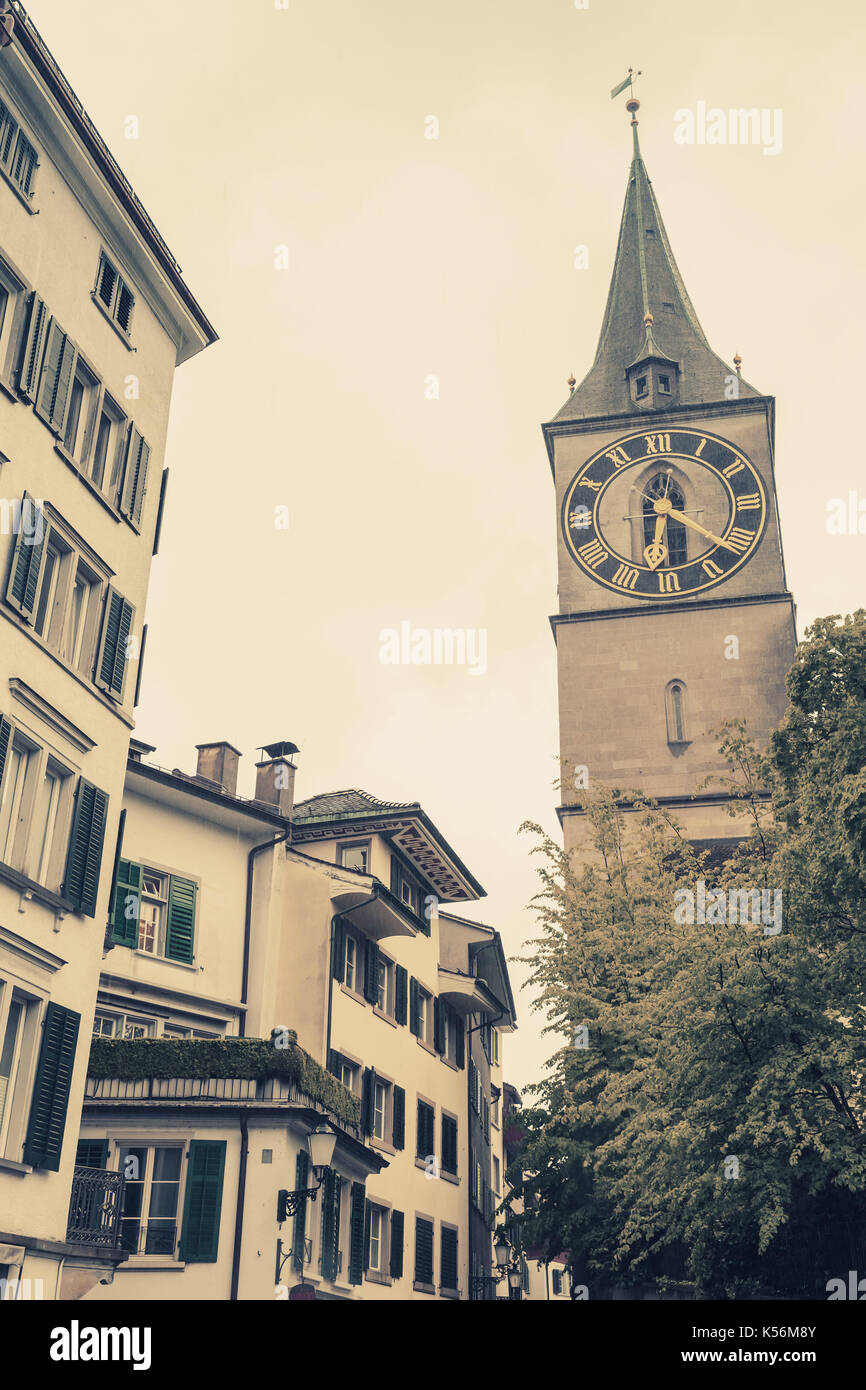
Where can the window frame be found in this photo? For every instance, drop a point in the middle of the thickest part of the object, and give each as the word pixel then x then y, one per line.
pixel 365 846
pixel 19 853
pixel 12 133
pixel 110 307
pixel 22 1076
pixel 151 1143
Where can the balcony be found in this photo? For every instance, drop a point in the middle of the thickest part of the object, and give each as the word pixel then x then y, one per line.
pixel 94 1209
pixel 158 1237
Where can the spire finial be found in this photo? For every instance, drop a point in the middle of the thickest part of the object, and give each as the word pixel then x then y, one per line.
pixel 572 382
pixel 738 362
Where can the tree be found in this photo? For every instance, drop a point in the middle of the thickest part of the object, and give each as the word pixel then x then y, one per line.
pixel 712 1128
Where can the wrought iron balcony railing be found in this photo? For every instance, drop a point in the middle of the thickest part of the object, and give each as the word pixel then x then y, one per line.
pixel 148 1238
pixel 482 1288
pixel 94 1208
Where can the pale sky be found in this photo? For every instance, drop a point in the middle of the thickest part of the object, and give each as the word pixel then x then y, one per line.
pixel 411 257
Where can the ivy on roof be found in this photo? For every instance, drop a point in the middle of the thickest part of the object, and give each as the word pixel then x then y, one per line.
pixel 256 1059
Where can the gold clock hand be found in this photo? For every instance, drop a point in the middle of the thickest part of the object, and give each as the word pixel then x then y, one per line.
pixel 656 552
pixel 687 521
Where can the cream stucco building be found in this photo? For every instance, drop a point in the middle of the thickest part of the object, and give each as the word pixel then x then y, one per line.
pixel 94 319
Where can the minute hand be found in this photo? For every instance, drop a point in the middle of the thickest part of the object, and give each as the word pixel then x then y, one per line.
pixel 687 521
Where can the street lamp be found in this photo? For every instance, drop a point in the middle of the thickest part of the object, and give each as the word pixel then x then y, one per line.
pixel 320 1147
pixel 501 1248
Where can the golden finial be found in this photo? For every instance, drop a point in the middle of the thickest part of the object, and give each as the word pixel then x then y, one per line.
pixel 572 382
pixel 648 319
pixel 738 362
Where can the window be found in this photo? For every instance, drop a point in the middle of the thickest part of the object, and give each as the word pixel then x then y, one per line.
pixel 349 1075
pixel 77 429
pixel 18 157
pixel 662 486
pixel 384 974
pixel 351 961
pixel 35 807
pixel 494 1108
pixel 407 887
pixel 449 1144
pixel 675 712
pixel 556 1276
pixel 423 1251
pixel 173 1030
pixel 665 385
pixel 380 1101
pixel 58 589
pixel 152 916
pixel 425 1133
pixel 11 294
pixel 106 465
pixel 109 1025
pixel 641 387
pixel 148 1223
pixel 356 856
pixel 13 1068
pixel 448 1265
pixel 376 1254
pixel 113 293
pixel 154 911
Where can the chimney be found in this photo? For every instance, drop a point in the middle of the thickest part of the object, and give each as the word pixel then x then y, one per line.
pixel 218 762
pixel 275 777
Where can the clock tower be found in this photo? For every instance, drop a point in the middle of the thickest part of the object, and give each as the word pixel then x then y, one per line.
pixel 674 612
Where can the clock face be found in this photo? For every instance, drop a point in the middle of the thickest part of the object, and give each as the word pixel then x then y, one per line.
pixel 664 515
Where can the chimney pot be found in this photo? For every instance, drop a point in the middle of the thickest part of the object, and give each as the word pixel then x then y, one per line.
pixel 275 777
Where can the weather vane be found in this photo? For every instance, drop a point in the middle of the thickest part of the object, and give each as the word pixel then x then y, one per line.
pixel 627 82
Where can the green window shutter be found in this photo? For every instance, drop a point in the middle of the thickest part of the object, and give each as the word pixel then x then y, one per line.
pixel 396 1245
pixel 414 1007
pixel 180 926
pixel 57 368
pixel 368 1100
pixel 135 475
pixel 5 736
pixel 84 858
pixel 449 1144
pixel 425 1131
pixel 399 1134
pixel 27 554
pixel 557 1281
pixel 116 627
pixel 401 989
pixel 51 1089
pixel 371 971
pixel 439 1030
pixel 199 1241
pixel 32 347
pixel 461 1048
pixel 92 1153
pixel 395 876
pixel 423 1251
pixel 449 1259
pixel 300 1228
pixel 356 1227
pixel 126 907
pixel 338 950
pixel 335 1063
pixel 368 1209
pixel 330 1241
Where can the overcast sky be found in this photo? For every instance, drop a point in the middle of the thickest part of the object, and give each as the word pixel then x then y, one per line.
pixel 411 257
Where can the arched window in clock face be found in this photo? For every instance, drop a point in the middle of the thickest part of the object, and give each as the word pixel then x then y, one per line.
pixel 663 485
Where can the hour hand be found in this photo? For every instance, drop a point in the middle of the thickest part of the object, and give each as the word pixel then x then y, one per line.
pixel 656 553
pixel 681 516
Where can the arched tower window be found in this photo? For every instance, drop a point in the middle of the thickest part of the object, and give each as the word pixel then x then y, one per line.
pixel 676 712
pixel 663 485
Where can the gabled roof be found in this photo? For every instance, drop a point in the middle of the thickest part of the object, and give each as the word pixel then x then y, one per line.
pixel 346 803
pixel 646 280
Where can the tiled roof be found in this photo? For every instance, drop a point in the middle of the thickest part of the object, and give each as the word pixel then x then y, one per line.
pixel 346 803
pixel 646 276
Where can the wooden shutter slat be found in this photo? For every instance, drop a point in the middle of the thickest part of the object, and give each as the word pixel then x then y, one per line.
pixel 126 907
pixel 397 1227
pixel 180 925
pixel 338 950
pixel 116 627
pixel 44 1142
pixel 401 985
pixel 356 1236
pixel 27 557
pixel 371 972
pixel 5 738
pixel 399 1128
pixel 199 1242
pixel 84 857
pixel 32 347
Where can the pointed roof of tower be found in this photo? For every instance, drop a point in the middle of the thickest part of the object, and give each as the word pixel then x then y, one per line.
pixel 648 313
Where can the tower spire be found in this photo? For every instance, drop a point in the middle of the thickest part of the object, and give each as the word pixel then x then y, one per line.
pixel 648 315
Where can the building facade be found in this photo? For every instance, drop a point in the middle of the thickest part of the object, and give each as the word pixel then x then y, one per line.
pixel 94 319
pixel 252 920
pixel 674 612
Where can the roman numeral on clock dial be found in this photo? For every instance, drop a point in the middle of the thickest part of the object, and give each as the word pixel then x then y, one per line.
pixel 593 553
pixel 625 577
pixel 749 502
pixel 739 539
